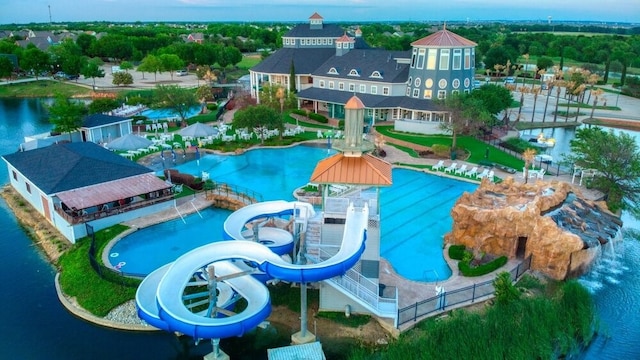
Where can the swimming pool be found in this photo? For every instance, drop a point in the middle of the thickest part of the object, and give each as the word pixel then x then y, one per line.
pixel 167 113
pixel 414 212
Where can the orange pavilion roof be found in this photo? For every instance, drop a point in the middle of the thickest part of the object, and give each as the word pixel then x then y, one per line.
pixel 361 170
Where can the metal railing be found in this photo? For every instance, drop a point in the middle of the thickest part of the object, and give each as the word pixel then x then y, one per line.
pixel 452 297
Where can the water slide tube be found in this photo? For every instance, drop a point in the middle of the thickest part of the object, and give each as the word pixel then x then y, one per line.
pixel 159 298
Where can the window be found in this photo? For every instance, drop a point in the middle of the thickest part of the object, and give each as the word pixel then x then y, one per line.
pixel 385 90
pixel 455 83
pixel 427 94
pixel 442 83
pixel 15 175
pixel 376 74
pixel 331 85
pixel 467 58
pixel 340 86
pixel 363 88
pixel 333 71
pixel 339 45
pixel 413 58
pixel 417 82
pixel 313 41
pixel 321 83
pixel 416 93
pixel 352 87
pixel 444 59
pixel 374 89
pixel 429 83
pixel 353 72
pixel 408 92
pixel 455 92
pixel 442 94
pixel 410 81
pixel 28 187
pixel 324 41
pixel 431 59
pixel 457 59
pixel 467 82
pixel 330 41
pixel 421 54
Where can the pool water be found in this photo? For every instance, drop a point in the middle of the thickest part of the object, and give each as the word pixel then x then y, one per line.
pixel 155 114
pixel 414 212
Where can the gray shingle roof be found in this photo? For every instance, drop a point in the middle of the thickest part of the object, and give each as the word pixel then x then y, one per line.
pixel 67 166
pixel 369 100
pixel 96 120
pixel 304 30
pixel 305 61
pixel 366 61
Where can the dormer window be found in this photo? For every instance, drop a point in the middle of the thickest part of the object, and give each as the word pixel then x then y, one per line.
pixel 376 74
pixel 354 72
pixel 333 71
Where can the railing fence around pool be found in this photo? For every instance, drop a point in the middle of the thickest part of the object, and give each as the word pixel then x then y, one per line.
pixel 451 298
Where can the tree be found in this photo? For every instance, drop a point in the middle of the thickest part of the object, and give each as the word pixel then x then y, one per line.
pixel 596 96
pixel 528 155
pixel 6 67
pixel 93 70
pixel 260 117
pixel 122 78
pixel 495 98
pixel 616 161
pixel 544 63
pixel 126 66
pixel 151 64
pixel 204 94
pixel 466 116
pixel 171 63
pixel 36 60
pixel 292 78
pixel 102 105
pixel 179 100
pixel 67 56
pixel 66 115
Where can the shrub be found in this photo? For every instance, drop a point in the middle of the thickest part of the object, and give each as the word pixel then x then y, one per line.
pixel 467 270
pixel 299 112
pixel 425 153
pixel 506 291
pixel 441 150
pixel 456 252
pixel 319 118
pixel 212 106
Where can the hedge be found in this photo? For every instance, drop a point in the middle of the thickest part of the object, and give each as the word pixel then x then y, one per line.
pixel 483 269
pixel 456 252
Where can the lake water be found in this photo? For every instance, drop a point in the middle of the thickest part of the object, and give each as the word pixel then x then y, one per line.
pixel 36 326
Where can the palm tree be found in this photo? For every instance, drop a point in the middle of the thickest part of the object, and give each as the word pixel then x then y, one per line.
pixel 596 95
pixel 579 91
pixel 535 90
pixel 526 67
pixel 568 93
pixel 522 90
pixel 528 155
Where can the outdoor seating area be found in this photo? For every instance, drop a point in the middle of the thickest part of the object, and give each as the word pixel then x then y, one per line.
pixel 463 170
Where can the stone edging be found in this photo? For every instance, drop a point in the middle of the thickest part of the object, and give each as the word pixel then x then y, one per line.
pixel 76 310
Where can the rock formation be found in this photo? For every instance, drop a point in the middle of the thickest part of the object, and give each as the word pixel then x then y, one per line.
pixel 550 221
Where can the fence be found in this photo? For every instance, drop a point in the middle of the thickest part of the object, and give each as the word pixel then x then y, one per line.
pixel 105 272
pixel 450 298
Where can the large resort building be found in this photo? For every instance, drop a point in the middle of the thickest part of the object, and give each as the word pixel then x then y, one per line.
pixel 395 86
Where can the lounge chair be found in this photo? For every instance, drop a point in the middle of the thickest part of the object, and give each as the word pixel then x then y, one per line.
pixel 472 173
pixel 177 189
pixel 541 174
pixel 451 168
pixel 491 175
pixel 461 170
pixel 483 174
pixel 438 166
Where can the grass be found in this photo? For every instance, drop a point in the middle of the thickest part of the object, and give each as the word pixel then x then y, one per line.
pixel 79 280
pixel 473 146
pixel 43 89
pixel 532 327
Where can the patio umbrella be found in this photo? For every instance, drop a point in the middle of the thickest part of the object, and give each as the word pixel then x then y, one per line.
pixel 129 142
pixel 198 130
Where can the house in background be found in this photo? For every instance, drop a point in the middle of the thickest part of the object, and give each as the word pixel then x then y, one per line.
pixel 395 86
pixel 76 183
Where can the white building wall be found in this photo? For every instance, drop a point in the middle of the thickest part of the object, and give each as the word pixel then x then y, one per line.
pixel 418 127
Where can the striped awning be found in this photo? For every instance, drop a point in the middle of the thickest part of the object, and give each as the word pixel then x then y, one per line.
pixel 111 191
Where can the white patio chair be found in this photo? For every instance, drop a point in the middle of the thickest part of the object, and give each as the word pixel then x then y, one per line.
pixel 461 170
pixel 451 168
pixel 541 173
pixel 472 173
pixel 483 174
pixel 438 166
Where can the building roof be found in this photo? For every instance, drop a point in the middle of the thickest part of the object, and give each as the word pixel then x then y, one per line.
pixel 443 38
pixel 354 103
pixel 366 62
pixel 98 120
pixel 359 170
pixel 370 101
pixel 315 15
pixel 66 166
pixel 105 193
pixel 305 61
pixel 305 30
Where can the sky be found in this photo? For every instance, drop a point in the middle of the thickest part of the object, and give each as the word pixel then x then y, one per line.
pixel 42 11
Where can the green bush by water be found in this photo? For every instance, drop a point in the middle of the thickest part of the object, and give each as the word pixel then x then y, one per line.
pixel 528 328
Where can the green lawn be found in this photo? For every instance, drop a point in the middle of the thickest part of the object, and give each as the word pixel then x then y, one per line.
pixel 43 89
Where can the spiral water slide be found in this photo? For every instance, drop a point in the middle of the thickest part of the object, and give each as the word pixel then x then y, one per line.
pixel 160 297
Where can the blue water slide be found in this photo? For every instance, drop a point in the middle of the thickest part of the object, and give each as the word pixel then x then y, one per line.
pixel 160 296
